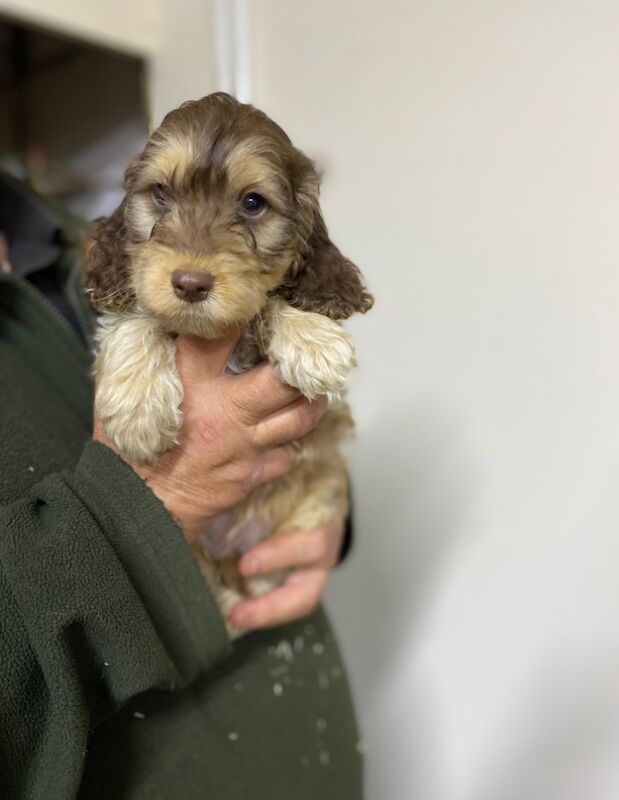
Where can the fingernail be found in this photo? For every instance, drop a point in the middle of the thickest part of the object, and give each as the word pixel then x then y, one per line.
pixel 240 621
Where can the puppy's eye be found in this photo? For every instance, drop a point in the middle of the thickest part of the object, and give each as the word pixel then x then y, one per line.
pixel 159 193
pixel 253 204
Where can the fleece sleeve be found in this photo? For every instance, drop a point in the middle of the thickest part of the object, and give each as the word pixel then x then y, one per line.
pixel 100 600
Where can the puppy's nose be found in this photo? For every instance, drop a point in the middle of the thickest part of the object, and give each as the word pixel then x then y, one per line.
pixel 192 286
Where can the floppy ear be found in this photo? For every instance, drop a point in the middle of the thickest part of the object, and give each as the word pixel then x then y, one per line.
pixel 322 280
pixel 108 278
pixel 107 264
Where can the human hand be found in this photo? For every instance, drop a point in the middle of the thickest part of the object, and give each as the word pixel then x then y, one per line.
pixel 311 555
pixel 234 434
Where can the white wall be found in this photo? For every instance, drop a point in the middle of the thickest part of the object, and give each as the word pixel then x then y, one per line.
pixel 183 66
pixel 470 152
pixel 472 170
pixel 132 26
pixel 177 38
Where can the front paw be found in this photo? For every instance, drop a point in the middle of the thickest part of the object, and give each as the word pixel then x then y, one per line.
pixel 138 391
pixel 312 353
pixel 142 434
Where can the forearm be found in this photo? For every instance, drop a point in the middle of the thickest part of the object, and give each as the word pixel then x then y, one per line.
pixel 101 600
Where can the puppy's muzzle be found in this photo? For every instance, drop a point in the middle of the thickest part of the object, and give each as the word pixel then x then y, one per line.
pixel 192 286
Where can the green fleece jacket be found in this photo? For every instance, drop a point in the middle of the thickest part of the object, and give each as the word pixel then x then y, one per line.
pixel 117 679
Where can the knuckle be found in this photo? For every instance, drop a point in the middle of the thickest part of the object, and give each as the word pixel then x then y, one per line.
pixel 280 461
pixel 318 408
pixel 256 439
pixel 260 615
pixel 321 404
pixel 309 603
pixel 228 492
pixel 238 406
pixel 317 547
pixel 306 418
pixel 237 415
pixel 287 461
pixel 249 473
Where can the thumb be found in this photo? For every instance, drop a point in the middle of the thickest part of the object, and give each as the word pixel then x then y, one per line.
pixel 198 358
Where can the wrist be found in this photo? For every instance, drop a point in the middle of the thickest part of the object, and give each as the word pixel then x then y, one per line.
pixel 192 522
pixel 177 506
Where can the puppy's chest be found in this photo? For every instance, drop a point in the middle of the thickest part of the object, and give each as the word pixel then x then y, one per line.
pixel 249 351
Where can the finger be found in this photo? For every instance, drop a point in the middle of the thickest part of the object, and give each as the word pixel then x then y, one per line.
pixel 296 598
pixel 273 464
pixel 290 423
pixel 259 392
pixel 97 427
pixel 290 549
pixel 198 358
pixel 99 435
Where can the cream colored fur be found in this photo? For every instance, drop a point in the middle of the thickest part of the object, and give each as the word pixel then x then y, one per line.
pixel 138 391
pixel 185 211
pixel 138 398
pixel 309 351
pixel 314 492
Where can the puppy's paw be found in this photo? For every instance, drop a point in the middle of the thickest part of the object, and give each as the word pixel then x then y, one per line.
pixel 312 353
pixel 141 434
pixel 226 597
pixel 138 391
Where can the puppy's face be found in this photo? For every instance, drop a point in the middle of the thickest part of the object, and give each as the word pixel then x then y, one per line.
pixel 220 210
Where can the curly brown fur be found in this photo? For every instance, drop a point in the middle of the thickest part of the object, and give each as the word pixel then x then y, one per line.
pixel 275 275
pixel 182 211
pixel 108 277
pixel 325 281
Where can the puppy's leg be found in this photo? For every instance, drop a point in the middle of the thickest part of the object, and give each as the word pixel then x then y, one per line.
pixel 138 391
pixel 326 500
pixel 313 494
pixel 309 351
pixel 226 595
pixel 323 499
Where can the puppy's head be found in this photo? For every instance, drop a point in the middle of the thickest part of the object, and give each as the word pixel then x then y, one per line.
pixel 220 211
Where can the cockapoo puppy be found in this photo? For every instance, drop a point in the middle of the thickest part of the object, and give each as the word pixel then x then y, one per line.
pixel 221 227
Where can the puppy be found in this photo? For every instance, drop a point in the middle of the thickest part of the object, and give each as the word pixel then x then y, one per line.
pixel 220 228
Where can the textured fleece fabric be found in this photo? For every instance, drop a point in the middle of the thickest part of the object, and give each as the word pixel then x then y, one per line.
pixel 117 679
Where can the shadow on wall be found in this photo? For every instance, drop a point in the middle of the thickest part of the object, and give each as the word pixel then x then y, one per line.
pixel 563 741
pixel 413 490
pixel 411 493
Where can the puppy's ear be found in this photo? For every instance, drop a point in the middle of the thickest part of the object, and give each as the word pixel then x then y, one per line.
pixel 322 279
pixel 108 278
